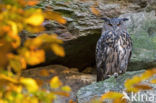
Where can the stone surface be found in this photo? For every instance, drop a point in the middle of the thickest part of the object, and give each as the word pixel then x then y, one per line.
pixel 83 29
pixel 142 28
pixel 69 76
pixel 95 90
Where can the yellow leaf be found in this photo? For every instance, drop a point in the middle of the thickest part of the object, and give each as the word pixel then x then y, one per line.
pixel 14 29
pixel 148 73
pixel 13 33
pixel 129 84
pixel 16 62
pixel 16 42
pixel 66 88
pixel 111 95
pixel 29 83
pixel 33 43
pixel 58 50
pixel 7 78
pixel 34 57
pixel 153 81
pixel 16 88
pixel 55 82
pixel 35 19
pixel 62 93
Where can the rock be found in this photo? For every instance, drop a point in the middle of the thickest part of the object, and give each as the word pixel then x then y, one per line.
pixel 95 90
pixel 142 27
pixel 83 29
pixel 69 76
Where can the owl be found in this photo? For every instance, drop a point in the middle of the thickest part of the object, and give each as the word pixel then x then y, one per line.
pixel 113 49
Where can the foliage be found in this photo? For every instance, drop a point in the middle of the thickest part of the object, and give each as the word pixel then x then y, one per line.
pixel 15 17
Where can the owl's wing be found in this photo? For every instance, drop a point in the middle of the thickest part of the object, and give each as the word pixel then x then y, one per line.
pixel 103 50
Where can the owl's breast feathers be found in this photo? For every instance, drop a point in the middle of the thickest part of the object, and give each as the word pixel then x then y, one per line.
pixel 113 51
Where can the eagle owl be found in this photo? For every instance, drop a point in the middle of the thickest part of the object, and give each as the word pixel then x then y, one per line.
pixel 113 49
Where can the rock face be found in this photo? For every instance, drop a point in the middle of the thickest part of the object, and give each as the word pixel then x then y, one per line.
pixel 68 76
pixel 83 29
pixel 95 90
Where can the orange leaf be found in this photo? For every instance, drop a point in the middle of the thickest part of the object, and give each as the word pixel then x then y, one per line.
pixel 94 10
pixel 54 16
pixel 142 86
pixel 39 82
pixel 34 57
pixel 62 94
pixel 32 2
pixel 44 72
pixel 58 50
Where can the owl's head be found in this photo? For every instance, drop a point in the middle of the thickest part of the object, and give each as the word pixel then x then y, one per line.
pixel 114 24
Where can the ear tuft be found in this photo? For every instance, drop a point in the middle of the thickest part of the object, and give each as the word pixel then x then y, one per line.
pixel 125 19
pixel 105 19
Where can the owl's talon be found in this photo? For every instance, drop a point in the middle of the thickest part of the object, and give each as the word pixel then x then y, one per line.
pixel 115 75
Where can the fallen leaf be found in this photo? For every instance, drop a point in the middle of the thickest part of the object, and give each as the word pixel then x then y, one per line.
pixel 153 81
pixel 35 19
pixel 95 10
pixel 44 72
pixel 58 50
pixel 142 87
pixel 66 88
pixel 111 95
pixel 30 84
pixel 55 82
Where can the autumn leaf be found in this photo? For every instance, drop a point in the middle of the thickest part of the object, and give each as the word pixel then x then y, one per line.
pixel 54 16
pixel 55 82
pixel 44 72
pixel 62 93
pixel 94 10
pixel 58 50
pixel 32 2
pixel 29 83
pixel 153 81
pixel 33 43
pixel 111 95
pixel 142 86
pixel 34 57
pixel 14 30
pixel 16 62
pixel 35 19
pixel 7 78
pixel 39 82
pixel 131 85
pixel 66 88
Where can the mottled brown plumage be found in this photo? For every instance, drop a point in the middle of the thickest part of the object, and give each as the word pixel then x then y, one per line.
pixel 113 49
